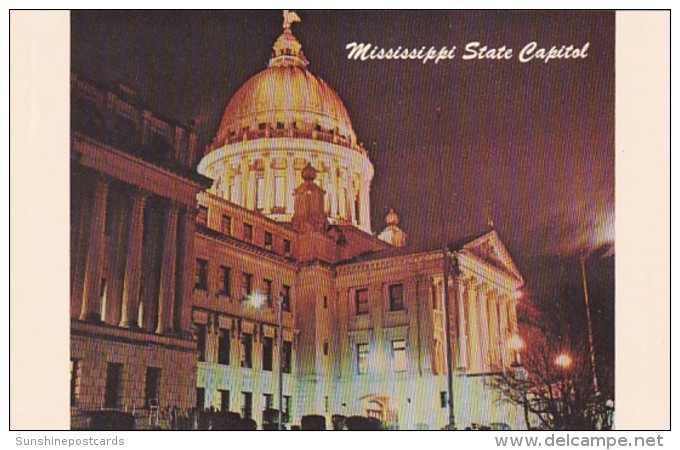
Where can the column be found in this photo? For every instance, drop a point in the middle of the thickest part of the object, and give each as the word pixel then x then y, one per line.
pixel 80 205
pixel 186 263
pixel 474 334
pixel 504 331
pixel 461 319
pixel 290 180
pixel 115 260
pixel 166 291
pixel 483 327
pixel 365 204
pixel 333 189
pixel 91 304
pixel 133 266
pixel 268 194
pixel 494 330
pixel 245 175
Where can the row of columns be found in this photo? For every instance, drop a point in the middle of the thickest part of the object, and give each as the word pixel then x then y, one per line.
pixel 125 263
pixel 340 191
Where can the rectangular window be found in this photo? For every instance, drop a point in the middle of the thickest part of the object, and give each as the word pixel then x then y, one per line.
pixel 225 280
pixel 260 193
pixel 224 400
pixel 225 225
pixel 279 192
pixel 399 355
pixel 325 348
pixel 396 297
pixel 247 232
pixel 267 353
pixel 287 357
pixel 362 358
pixel 325 302
pixel 153 384
pixel 247 286
pixel 201 275
pixel 202 216
pixel 200 399
pixel 286 247
pixel 200 342
pixel 268 401
pixel 247 350
pixel 361 300
pixel 114 374
pixel 285 298
pixel 268 293
pixel 287 407
pixel 224 348
pixel 443 395
pixel 76 377
pixel 268 240
pixel 326 403
pixel 247 407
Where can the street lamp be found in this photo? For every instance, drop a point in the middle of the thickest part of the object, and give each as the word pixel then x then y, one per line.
pixel 258 300
pixel 563 360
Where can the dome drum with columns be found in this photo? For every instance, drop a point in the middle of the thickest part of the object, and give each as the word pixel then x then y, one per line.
pixel 281 119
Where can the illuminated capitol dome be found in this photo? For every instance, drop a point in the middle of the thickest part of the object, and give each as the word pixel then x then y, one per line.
pixel 278 121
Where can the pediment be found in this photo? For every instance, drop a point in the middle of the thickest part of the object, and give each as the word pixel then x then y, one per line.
pixel 490 249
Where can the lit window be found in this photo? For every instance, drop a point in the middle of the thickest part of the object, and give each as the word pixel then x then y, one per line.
pixel 361 300
pixel 362 358
pixel 247 232
pixel 247 284
pixel 399 355
pixel 201 275
pixel 225 280
pixel 225 225
pixel 279 192
pixel 247 350
pixel 224 348
pixel 202 217
pixel 285 298
pixel 396 297
pixel 267 354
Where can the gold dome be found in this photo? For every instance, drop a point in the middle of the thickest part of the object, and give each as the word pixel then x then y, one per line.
pixel 286 99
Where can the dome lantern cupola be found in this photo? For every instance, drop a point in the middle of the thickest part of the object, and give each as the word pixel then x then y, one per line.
pixel 287 49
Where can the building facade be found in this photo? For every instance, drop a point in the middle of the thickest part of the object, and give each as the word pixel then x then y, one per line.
pixel 177 277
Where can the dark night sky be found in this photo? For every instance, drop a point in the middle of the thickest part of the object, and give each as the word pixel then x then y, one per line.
pixel 529 145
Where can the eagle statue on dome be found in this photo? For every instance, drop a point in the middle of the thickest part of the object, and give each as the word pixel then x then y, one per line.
pixel 289 17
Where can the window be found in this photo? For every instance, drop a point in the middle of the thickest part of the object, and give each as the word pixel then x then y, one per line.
pixel 202 216
pixel 325 348
pixel 361 299
pixel 224 400
pixel 268 401
pixel 247 232
pixel 285 298
pixel 325 302
pixel 326 402
pixel 247 407
pixel 443 396
pixel 113 381
pixel 247 350
pixel 224 348
pixel 247 284
pixel 287 407
pixel 279 125
pixel 201 275
pixel 200 342
pixel 225 225
pixel 232 189
pixel 357 209
pixel 286 358
pixel 260 193
pixel 225 280
pixel 286 247
pixel 268 240
pixel 399 355
pixel 362 358
pixel 279 192
pixel 76 377
pixel 153 383
pixel 396 297
pixel 267 353
pixel 262 126
pixel 200 399
pixel 268 293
